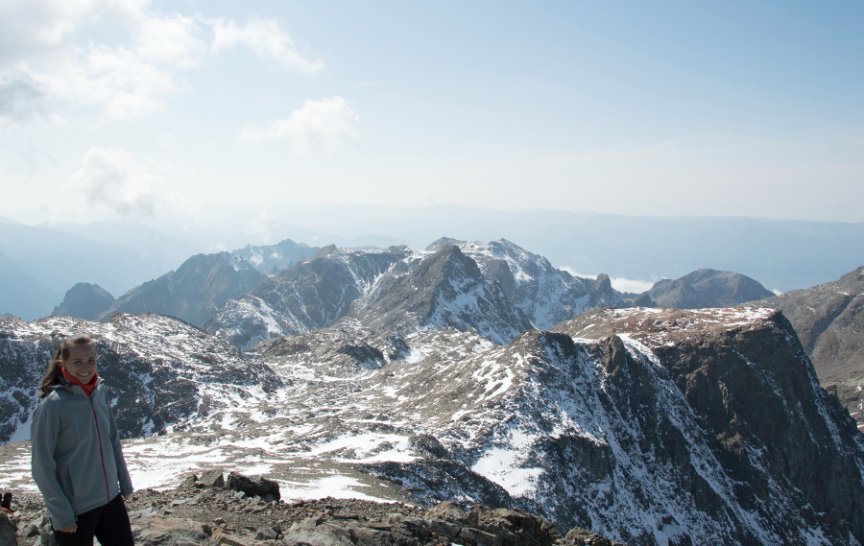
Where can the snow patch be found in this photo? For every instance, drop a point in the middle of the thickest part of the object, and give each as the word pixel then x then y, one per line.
pixel 500 464
pixel 336 486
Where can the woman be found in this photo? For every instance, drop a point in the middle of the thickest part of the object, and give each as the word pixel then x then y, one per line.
pixel 77 461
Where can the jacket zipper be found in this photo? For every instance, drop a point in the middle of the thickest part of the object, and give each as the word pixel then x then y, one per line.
pixel 101 454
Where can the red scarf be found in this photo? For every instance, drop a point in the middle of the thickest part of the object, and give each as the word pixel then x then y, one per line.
pixel 88 388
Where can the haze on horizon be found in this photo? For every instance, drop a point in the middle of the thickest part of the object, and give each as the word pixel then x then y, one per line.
pixel 172 113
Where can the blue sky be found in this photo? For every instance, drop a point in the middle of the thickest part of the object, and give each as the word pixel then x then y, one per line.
pixel 167 112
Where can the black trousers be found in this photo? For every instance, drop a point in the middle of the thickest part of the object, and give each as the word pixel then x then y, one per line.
pixel 109 523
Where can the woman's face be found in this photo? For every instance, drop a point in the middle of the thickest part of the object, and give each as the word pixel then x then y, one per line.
pixel 81 363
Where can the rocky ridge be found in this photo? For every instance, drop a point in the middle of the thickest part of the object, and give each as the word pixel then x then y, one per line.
pixel 498 289
pixel 312 294
pixel 829 320
pixel 213 510
pixel 545 294
pixel 194 290
pixel 766 422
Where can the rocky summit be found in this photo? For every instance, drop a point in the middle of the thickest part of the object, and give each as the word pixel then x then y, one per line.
pixel 646 426
pixel 215 510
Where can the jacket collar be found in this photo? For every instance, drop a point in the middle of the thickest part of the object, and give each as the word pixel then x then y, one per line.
pixel 63 384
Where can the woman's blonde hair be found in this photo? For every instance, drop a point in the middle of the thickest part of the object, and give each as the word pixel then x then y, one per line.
pixel 53 374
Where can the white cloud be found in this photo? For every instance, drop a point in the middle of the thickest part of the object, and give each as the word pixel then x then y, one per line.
pixel 126 79
pixel 265 38
pixel 635 286
pixel 26 25
pixel 327 123
pixel 20 98
pixel 138 64
pixel 116 79
pixel 622 284
pixel 173 40
pixel 260 228
pixel 132 187
pixel 120 181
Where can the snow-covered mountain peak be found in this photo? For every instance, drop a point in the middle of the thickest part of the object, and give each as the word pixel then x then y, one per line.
pixel 524 266
pixel 272 259
pixel 546 295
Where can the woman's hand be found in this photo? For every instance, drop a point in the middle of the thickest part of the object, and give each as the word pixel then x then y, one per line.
pixel 68 529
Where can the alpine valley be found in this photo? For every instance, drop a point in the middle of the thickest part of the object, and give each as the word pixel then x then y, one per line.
pixel 473 373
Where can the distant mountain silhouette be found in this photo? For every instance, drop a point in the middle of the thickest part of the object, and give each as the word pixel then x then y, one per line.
pixel 193 292
pixel 86 301
pixel 106 254
pixel 704 288
pixel 783 255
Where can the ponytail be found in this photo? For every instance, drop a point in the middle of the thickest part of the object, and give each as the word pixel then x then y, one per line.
pixel 54 371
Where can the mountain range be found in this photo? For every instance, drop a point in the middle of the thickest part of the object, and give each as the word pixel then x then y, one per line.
pixel 498 289
pixel 193 291
pixel 648 426
pixel 50 260
pixel 228 294
pixel 782 254
pixel 122 255
pixel 478 372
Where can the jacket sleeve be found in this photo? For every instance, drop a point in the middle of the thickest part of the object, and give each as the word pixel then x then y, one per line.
pixel 123 477
pixel 44 431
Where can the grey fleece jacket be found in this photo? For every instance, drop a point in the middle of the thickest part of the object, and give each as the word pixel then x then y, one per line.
pixel 77 462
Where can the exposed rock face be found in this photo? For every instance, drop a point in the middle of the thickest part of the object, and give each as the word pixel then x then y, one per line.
pixel 311 295
pixel 544 294
pixel 86 301
pixel 829 319
pixel 194 291
pixel 704 288
pixel 446 289
pixel 769 438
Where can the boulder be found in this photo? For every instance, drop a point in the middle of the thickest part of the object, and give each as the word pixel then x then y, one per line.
pixel 253 487
pixel 8 530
